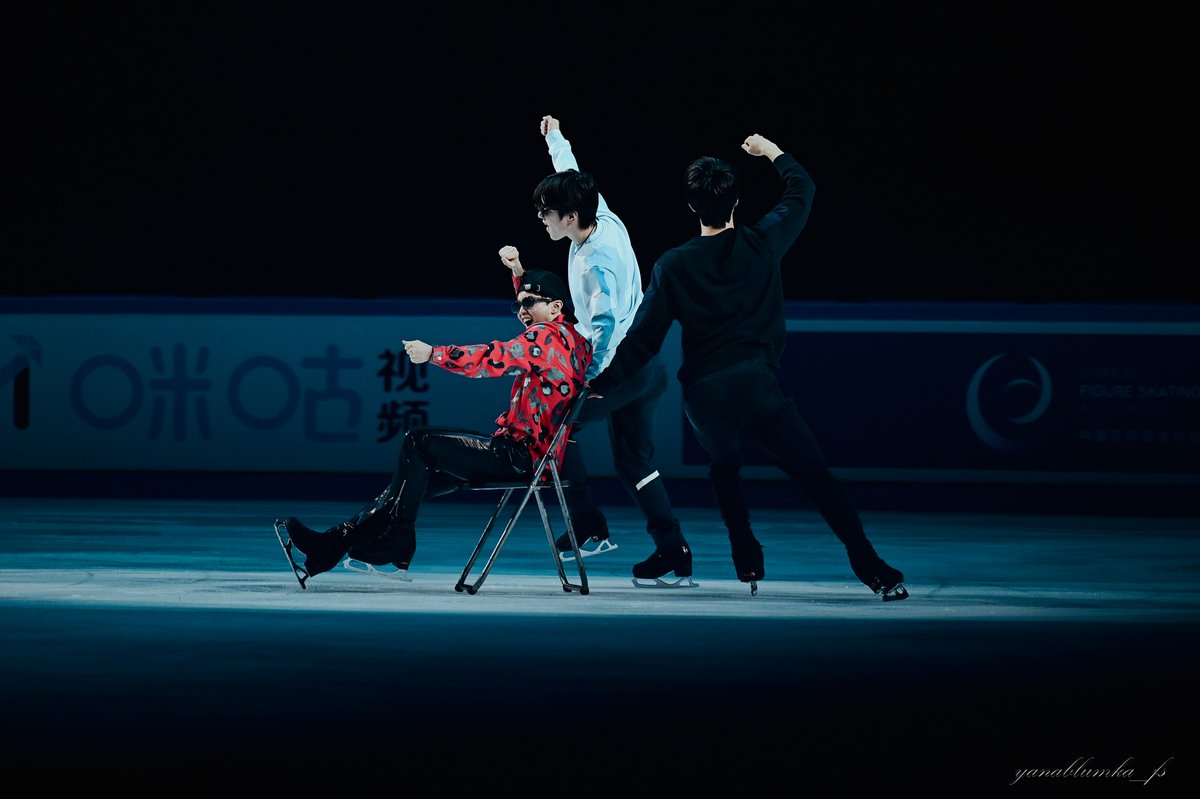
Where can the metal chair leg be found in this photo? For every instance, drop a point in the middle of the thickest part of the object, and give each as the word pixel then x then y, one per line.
pixel 582 587
pixel 460 586
pixel 568 586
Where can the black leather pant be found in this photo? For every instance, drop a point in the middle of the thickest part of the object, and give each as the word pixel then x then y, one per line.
pixel 438 460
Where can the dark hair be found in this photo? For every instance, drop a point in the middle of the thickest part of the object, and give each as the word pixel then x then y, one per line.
pixel 711 189
pixel 569 191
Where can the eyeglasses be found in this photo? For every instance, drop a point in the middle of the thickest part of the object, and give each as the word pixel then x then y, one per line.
pixel 528 303
pixel 543 210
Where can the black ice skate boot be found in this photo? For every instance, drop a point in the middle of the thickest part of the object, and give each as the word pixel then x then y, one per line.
pixel 591 531
pixel 726 482
pixel 396 545
pixel 878 576
pixel 671 554
pixel 323 551
pixel 747 559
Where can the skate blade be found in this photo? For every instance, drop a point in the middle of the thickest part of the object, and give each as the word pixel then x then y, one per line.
pixel 895 593
pixel 367 568
pixel 752 579
pixel 659 582
pixel 601 548
pixel 298 570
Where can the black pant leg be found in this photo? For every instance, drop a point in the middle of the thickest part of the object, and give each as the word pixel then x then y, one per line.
pixel 580 501
pixel 628 411
pixel 432 457
pixel 631 432
pixel 784 435
pixel 715 412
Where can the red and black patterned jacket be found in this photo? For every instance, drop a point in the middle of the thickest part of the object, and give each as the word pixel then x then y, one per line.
pixel 549 362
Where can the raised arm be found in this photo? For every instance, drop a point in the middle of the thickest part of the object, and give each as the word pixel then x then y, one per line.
pixel 781 226
pixel 561 155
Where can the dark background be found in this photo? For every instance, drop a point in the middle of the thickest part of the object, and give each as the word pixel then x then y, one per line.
pixel 1024 153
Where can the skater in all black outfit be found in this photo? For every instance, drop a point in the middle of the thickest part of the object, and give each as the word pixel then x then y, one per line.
pixel 725 290
pixel 548 362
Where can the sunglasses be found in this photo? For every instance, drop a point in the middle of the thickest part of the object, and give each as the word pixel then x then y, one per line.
pixel 528 303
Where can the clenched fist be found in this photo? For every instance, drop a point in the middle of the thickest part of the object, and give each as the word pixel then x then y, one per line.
pixel 511 258
pixel 757 144
pixel 418 351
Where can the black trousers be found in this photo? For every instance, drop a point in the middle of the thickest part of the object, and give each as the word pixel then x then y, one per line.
pixel 629 410
pixel 748 400
pixel 438 460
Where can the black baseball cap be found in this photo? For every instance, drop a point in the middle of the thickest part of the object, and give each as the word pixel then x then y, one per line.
pixel 548 285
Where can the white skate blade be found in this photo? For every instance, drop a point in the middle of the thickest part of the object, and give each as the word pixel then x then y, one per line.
pixel 659 582
pixel 367 568
pixel 601 548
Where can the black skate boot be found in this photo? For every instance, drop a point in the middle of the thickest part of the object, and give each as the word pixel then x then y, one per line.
pixel 881 578
pixel 726 481
pixel 671 554
pixel 323 551
pixel 396 545
pixel 747 559
pixel 591 532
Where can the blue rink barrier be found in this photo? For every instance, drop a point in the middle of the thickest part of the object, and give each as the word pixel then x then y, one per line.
pixel 929 406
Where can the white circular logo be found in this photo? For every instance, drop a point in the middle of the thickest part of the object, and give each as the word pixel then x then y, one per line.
pixel 1013 399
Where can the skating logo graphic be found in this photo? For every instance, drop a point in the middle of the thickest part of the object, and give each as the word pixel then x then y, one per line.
pixel 1006 393
pixel 16 371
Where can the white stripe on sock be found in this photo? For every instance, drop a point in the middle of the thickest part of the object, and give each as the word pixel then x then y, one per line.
pixel 646 479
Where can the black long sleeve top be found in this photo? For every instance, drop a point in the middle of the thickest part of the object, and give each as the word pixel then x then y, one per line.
pixel 724 290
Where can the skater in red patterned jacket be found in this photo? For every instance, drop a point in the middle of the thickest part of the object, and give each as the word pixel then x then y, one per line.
pixel 548 362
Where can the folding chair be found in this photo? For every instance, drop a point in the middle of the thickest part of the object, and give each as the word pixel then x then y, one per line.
pixel 531 488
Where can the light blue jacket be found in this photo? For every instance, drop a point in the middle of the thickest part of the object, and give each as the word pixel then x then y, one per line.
pixel 602 273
